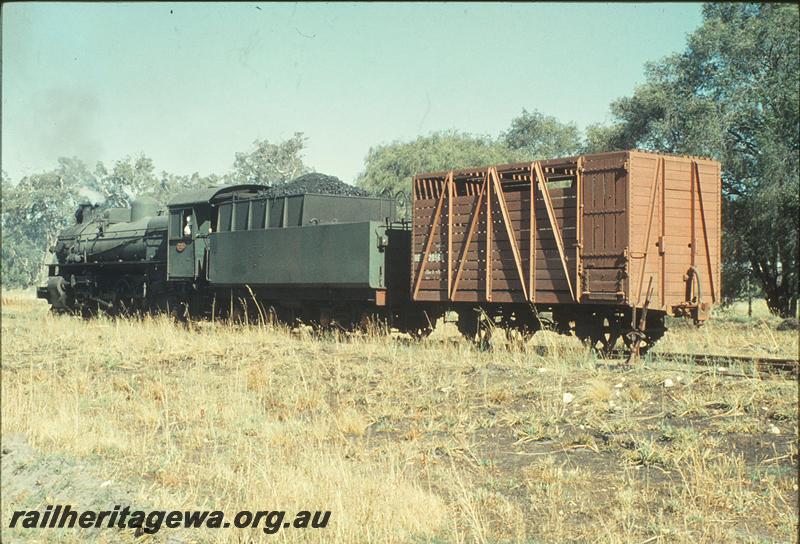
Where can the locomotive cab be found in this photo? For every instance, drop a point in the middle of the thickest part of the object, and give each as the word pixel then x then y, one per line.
pixel 192 219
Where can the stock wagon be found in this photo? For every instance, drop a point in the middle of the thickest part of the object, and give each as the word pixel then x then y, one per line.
pixel 607 244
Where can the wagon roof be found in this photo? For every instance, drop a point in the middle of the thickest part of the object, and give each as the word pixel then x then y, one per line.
pixel 204 196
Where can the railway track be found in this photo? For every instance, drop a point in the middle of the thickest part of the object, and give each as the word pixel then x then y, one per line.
pixel 765 365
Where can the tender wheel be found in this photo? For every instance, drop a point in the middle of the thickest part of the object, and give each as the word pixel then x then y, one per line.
pixel 372 323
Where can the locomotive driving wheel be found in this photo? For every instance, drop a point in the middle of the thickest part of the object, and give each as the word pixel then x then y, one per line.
pixel 124 303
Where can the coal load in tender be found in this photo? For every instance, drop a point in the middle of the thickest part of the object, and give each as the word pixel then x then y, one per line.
pixel 315 183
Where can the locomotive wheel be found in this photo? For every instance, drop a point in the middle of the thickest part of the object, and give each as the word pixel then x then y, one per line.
pixel 89 310
pixel 124 303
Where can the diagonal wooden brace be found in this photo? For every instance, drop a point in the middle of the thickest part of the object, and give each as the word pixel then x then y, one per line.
pixel 501 201
pixel 548 203
pixel 472 227
pixel 437 216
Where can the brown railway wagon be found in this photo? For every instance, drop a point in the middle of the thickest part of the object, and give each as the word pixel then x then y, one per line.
pixel 628 229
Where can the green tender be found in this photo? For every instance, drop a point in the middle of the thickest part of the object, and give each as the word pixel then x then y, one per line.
pixel 333 255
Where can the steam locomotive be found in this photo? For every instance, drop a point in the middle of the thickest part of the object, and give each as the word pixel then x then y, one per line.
pixel 237 251
pixel 602 246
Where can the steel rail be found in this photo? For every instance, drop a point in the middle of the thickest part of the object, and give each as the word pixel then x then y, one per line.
pixel 765 365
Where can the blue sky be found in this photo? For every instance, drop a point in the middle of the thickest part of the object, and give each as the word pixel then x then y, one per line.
pixel 191 84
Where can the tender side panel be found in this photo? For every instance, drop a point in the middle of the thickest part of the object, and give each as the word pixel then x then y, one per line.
pixel 337 255
pixel 605 228
pixel 451 234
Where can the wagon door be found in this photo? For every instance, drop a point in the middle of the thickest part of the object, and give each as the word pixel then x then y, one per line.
pixel 604 227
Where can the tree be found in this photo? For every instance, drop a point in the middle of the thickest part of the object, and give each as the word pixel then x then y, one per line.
pixel 34 212
pixel 271 163
pixel 600 138
pixel 170 185
pixel 389 168
pixel 538 136
pixel 129 178
pixel 732 95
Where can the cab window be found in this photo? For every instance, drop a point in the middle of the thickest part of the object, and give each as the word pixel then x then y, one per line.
pixel 181 222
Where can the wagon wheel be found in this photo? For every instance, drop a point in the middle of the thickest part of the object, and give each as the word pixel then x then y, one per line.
pixel 545 323
pixel 467 324
pixel 519 333
pixel 418 324
pixel 476 328
pixel 603 335
pixel 485 332
pixel 518 337
pixel 420 333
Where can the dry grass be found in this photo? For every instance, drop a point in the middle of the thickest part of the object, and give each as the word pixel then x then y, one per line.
pixel 407 442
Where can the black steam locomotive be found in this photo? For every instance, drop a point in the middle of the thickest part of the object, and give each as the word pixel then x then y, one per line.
pixel 240 251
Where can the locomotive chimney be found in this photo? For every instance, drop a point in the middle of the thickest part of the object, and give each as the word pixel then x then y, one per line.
pixel 85 213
